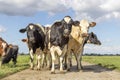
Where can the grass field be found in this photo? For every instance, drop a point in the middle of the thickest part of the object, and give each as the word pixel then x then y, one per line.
pixel 111 62
pixel 22 63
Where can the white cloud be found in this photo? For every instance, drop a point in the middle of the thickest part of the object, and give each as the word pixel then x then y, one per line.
pixel 2 29
pixel 111 5
pixel 30 7
pixel 91 9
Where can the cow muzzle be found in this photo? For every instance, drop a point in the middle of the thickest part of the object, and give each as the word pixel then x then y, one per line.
pixel 85 35
pixel 66 32
pixel 32 40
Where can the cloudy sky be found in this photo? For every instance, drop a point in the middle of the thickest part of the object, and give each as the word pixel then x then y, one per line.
pixel 17 14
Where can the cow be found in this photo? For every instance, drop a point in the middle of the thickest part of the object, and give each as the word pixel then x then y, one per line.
pixel 47 48
pixel 36 38
pixel 3 48
pixel 8 52
pixel 91 39
pixel 77 39
pixel 12 52
pixel 59 37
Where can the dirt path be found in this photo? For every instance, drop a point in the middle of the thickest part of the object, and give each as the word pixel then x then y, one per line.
pixel 90 72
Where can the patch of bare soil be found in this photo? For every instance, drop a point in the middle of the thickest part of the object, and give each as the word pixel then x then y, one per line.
pixel 89 72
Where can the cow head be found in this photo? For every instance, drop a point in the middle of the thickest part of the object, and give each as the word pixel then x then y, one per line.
pixel 92 38
pixel 67 25
pixel 31 32
pixel 3 47
pixel 85 25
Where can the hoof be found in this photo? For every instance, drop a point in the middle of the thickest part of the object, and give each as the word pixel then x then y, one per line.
pixel 68 69
pixel 65 66
pixel 38 69
pixel 62 72
pixel 53 72
pixel 31 68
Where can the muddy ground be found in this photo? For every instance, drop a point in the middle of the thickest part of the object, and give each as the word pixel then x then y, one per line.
pixel 89 72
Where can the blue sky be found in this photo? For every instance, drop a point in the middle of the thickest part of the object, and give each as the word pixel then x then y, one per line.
pixel 17 14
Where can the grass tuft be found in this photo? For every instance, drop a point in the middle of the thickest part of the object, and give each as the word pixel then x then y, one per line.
pixel 7 69
pixel 110 62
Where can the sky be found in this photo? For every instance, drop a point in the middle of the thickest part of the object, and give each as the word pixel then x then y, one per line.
pixel 17 14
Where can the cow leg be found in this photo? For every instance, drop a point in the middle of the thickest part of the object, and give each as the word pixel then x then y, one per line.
pixel 53 59
pixel 49 60
pixel 62 53
pixel 68 60
pixel 38 61
pixel 79 58
pixel 81 53
pixel 42 61
pixel 65 59
pixel 59 51
pixel 45 60
pixel 31 59
pixel 14 59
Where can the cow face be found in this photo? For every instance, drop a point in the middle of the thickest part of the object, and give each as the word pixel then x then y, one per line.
pixel 67 25
pixel 31 32
pixel 92 38
pixel 85 25
pixel 3 47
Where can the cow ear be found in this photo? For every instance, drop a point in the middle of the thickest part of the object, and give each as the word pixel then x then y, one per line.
pixel 24 40
pixel 92 24
pixel 22 30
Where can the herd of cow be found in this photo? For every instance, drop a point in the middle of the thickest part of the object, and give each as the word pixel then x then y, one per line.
pixel 64 38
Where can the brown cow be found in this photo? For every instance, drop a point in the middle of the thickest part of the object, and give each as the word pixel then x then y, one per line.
pixel 8 52
pixel 3 47
pixel 76 42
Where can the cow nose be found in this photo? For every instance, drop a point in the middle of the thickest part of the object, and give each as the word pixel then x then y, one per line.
pixel 99 43
pixel 84 35
pixel 32 40
pixel 66 31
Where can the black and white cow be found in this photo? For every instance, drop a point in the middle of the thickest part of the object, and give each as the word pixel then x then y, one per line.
pixel 36 38
pixel 59 37
pixel 11 53
pixel 92 39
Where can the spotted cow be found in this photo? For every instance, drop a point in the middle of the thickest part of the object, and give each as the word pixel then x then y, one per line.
pixel 36 39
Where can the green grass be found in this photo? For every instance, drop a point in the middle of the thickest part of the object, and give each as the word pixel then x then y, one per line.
pixel 111 62
pixel 22 63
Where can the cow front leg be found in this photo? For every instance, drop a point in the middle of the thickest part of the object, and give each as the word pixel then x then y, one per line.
pixel 31 59
pixel 61 64
pixel 49 60
pixel 79 58
pixel 38 62
pixel 53 60
pixel 68 60
pixel 61 53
